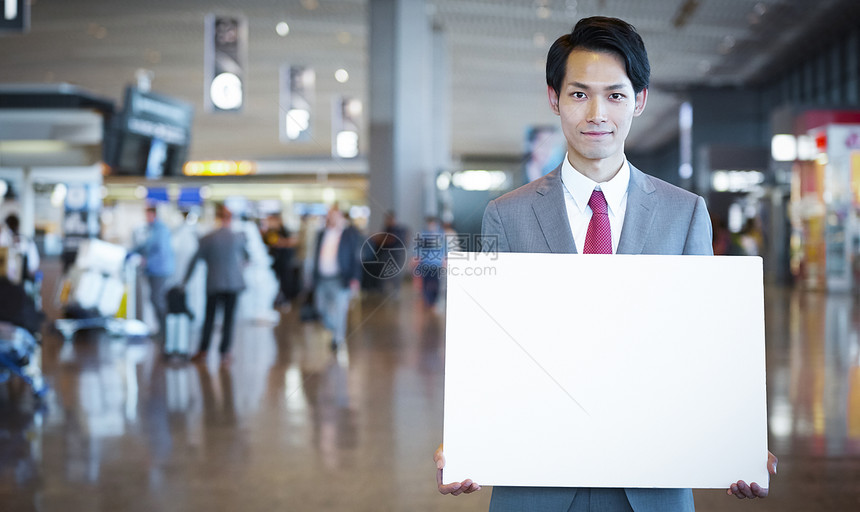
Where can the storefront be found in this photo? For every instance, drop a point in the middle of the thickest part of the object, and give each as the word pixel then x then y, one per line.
pixel 825 200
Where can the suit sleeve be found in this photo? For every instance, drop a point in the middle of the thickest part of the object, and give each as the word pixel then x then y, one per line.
pixel 355 255
pixel 700 236
pixel 492 231
pixel 191 265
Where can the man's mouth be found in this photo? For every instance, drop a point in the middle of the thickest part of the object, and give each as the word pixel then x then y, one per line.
pixel 596 134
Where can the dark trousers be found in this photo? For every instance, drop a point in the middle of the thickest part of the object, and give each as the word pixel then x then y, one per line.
pixel 228 299
pixel 158 297
pixel 430 285
pixel 284 273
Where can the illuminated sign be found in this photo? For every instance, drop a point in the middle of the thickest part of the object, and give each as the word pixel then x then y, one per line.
pixel 219 168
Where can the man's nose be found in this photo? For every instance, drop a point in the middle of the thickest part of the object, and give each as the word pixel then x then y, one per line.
pixel 596 111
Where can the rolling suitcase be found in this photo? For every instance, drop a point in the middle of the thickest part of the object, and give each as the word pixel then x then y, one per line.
pixel 177 325
pixel 177 335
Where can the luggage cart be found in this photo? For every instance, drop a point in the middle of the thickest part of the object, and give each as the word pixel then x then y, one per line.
pixel 102 281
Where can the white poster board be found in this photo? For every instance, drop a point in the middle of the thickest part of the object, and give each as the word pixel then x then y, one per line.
pixel 566 370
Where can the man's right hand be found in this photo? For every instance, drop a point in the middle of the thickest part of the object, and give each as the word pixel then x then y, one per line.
pixel 457 488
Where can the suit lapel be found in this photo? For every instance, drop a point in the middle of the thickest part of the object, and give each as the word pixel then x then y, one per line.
pixel 551 213
pixel 641 208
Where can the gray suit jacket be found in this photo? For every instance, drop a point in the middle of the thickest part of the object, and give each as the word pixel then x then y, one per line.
pixel 225 255
pixel 660 219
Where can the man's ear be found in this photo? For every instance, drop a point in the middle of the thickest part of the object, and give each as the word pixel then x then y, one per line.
pixel 553 99
pixel 641 99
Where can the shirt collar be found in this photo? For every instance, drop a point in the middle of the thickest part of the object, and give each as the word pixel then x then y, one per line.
pixel 580 186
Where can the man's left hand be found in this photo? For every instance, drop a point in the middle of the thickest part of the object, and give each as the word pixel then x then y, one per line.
pixel 742 491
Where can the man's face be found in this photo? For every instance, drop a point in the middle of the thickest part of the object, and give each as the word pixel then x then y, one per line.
pixel 334 218
pixel 596 104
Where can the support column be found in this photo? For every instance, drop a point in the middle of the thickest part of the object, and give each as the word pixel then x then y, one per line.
pixel 403 130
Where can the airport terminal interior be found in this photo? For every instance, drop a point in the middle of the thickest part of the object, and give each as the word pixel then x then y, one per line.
pixel 133 133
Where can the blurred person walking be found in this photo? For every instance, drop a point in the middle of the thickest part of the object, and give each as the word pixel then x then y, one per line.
pixel 337 273
pixel 430 248
pixel 392 242
pixel 25 247
pixel 282 248
pixel 159 263
pixel 223 251
pixel 185 239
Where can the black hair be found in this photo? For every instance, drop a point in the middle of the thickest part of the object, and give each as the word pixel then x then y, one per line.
pixel 600 34
pixel 13 223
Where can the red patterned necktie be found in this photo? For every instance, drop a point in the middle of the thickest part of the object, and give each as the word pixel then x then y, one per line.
pixel 598 239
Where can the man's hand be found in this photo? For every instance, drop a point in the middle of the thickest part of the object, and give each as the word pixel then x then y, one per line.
pixel 457 488
pixel 741 490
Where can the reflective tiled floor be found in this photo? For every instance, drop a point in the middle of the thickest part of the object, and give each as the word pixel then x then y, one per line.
pixel 291 427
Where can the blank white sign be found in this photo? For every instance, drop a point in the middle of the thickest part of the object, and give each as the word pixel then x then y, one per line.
pixel 567 370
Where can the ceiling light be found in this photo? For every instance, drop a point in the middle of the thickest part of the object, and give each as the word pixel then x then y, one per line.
pixel 353 107
pixel 298 120
pixel 10 12
pixel 539 39
pixel 685 171
pixel 282 28
pixel 783 147
pixel 543 12
pixel 480 180
pixel 344 37
pixel 346 144
pixel 329 196
pixel 341 75
pixel 226 91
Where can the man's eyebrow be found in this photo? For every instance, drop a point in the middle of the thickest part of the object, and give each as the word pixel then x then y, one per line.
pixel 613 87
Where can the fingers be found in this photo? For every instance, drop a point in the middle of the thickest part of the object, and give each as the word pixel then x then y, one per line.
pixel 466 487
pixel 439 458
pixel 741 490
pixel 457 488
pixel 472 488
pixel 772 461
pixel 759 491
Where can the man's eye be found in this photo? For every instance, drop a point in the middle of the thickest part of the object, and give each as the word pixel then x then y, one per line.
pixel 616 96
pixel 578 95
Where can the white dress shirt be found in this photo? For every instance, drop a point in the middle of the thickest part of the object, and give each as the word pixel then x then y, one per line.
pixel 577 192
pixel 328 252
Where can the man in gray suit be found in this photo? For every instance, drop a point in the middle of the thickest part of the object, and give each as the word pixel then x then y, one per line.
pixel 223 250
pixel 597 202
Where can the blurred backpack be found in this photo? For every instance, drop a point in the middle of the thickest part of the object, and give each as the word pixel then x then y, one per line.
pixel 177 303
